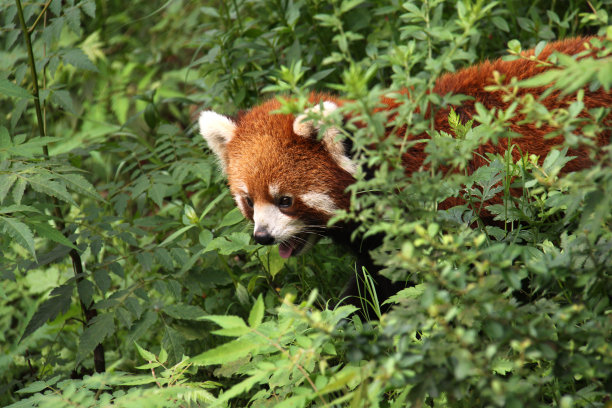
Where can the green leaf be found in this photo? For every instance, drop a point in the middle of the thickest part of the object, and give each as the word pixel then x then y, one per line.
pixel 80 184
pixel 19 232
pixel 231 218
pixel 142 327
pixel 241 387
pixel 227 245
pixel 500 23
pixel 43 184
pixel 99 328
pixel 147 355
pixel 63 99
pixel 257 313
pixel 227 352
pixel 157 193
pixel 227 322
pixel 47 231
pixel 8 88
pixel 59 302
pixel 272 261
pixel 6 182
pixel 174 342
pixel 175 235
pixel 184 311
pixel 77 58
pixel 19 189
pixel 38 386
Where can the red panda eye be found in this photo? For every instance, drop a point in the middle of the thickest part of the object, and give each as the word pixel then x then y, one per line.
pixel 249 202
pixel 285 202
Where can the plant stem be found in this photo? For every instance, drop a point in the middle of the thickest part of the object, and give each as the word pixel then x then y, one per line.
pixel 77 264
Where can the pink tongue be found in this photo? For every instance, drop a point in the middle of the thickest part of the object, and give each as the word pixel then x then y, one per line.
pixel 285 250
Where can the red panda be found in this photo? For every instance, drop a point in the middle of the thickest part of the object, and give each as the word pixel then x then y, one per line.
pixel 289 181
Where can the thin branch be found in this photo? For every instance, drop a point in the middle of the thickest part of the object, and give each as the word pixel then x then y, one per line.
pixel 42 13
pixel 77 264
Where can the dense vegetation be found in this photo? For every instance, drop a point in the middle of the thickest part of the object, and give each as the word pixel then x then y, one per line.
pixel 129 278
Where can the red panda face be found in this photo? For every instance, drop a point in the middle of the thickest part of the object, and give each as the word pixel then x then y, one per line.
pixel 282 177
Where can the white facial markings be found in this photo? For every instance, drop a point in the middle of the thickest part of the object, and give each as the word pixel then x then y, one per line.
pixel 274 189
pixel 269 218
pixel 218 130
pixel 302 126
pixel 320 202
pixel 242 191
pixel 239 203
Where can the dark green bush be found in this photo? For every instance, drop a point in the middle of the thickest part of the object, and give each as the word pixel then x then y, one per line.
pixel 129 278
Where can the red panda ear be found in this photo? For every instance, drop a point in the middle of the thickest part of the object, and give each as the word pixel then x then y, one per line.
pixel 307 127
pixel 217 130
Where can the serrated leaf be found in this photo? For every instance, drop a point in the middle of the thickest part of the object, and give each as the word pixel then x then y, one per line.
pixel 157 192
pixel 184 311
pixel 8 88
pixel 102 279
pixel 59 302
pixel 43 184
pixel 174 342
pixel 63 99
pixel 142 326
pixel 19 189
pixel 77 58
pixel 413 292
pixel 227 322
pixel 241 387
pixel 147 355
pixel 99 328
pixel 80 184
pixel 19 232
pixel 89 7
pixel 6 182
pixel 257 313
pixel 47 231
pixel 38 386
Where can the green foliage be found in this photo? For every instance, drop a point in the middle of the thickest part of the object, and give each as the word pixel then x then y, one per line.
pixel 119 240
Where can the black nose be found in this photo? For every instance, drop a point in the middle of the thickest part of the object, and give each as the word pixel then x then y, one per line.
pixel 263 237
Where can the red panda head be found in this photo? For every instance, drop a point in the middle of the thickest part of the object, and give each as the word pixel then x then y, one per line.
pixel 284 178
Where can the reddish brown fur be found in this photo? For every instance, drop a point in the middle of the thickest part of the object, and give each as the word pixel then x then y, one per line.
pixel 265 146
pixel 265 151
pixel 472 81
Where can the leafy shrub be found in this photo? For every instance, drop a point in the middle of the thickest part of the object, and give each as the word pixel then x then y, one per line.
pixel 130 278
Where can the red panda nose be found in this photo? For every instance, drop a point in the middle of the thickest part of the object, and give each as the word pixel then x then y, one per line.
pixel 263 237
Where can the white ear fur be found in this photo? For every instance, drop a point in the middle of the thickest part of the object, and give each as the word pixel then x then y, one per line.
pixel 302 126
pixel 217 130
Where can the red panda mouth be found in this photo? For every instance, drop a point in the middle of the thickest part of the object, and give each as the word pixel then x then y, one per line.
pixel 285 250
pixel 294 246
pixel 291 247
